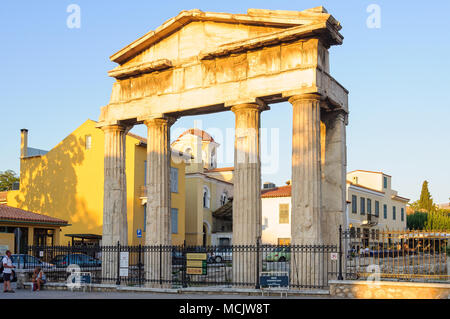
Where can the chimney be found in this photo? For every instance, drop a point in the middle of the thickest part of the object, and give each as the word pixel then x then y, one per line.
pixel 23 143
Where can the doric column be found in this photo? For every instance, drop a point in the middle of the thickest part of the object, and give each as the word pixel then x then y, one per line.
pixel 115 228
pixel 306 189
pixel 247 190
pixel 158 228
pixel 115 187
pixel 334 175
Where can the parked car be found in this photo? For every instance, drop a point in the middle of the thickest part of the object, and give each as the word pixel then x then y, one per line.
pixel 220 254
pixel 23 261
pixel 81 260
pixel 280 254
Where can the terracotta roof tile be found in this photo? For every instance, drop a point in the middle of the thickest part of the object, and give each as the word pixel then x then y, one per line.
pixel 197 132
pixel 17 214
pixel 282 191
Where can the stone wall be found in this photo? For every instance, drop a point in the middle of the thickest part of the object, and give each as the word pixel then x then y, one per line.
pixel 388 290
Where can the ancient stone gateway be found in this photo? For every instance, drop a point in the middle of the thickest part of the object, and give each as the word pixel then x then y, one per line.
pixel 203 62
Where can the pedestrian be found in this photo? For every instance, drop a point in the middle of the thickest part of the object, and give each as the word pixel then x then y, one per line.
pixel 38 278
pixel 7 271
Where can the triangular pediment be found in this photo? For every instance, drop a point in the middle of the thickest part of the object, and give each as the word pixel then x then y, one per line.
pixel 194 31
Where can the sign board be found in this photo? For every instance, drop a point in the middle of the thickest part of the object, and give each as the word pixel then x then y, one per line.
pixel 196 271
pixel 41 253
pixel 334 256
pixel 124 256
pixel 123 272
pixel 139 233
pixel 196 263
pixel 196 256
pixel 273 280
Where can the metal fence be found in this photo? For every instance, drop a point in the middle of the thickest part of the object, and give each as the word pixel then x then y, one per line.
pixel 396 255
pixel 307 266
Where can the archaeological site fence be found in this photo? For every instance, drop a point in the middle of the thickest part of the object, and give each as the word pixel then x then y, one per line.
pixel 418 256
pixel 307 266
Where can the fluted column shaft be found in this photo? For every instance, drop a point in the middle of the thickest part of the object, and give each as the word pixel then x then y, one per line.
pixel 306 170
pixel 334 175
pixel 158 227
pixel 115 187
pixel 247 189
pixel 115 227
pixel 306 191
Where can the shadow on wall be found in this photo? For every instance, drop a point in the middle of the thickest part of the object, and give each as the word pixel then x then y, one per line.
pixel 49 183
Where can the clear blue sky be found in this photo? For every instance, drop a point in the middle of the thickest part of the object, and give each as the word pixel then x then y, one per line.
pixel 54 78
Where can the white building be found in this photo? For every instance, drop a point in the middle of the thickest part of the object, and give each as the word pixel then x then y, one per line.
pixel 276 215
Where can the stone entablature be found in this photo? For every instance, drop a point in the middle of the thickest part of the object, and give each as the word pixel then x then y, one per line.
pixel 284 61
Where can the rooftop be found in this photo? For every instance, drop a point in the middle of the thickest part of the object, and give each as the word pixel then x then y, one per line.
pixel 197 132
pixel 12 214
pixel 372 172
pixel 282 191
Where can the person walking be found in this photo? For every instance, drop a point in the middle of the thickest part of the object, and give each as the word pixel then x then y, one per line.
pixel 7 271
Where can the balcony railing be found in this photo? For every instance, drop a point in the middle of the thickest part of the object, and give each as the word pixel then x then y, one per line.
pixel 371 220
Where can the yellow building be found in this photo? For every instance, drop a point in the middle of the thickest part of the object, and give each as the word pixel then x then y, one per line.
pixel 67 183
pixel 208 187
pixel 373 204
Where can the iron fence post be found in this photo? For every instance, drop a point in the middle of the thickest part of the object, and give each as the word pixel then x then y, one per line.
pixel 340 277
pixel 139 264
pixel 257 263
pixel 118 264
pixel 160 264
pixel 183 265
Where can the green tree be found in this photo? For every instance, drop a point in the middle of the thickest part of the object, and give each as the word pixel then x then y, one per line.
pixel 425 202
pixel 438 219
pixel 7 178
pixel 416 221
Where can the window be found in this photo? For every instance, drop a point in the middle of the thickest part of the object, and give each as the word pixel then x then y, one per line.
pixel 284 213
pixel 377 208
pixel 358 232
pixel 363 206
pixel 174 215
pixel 223 198
pixel 402 214
pixel 145 173
pixel 385 181
pixel 266 223
pixel 354 201
pixel 88 142
pixel 385 211
pixel 393 212
pixel 369 206
pixel 174 180
pixel 206 197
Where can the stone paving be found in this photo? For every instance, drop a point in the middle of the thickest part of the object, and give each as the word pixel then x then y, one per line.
pixel 61 294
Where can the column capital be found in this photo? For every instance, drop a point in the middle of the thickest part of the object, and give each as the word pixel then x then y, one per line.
pixel 305 97
pixel 169 120
pixel 249 106
pixel 115 128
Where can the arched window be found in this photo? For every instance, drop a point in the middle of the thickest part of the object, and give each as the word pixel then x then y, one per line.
pixel 223 198
pixel 206 197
